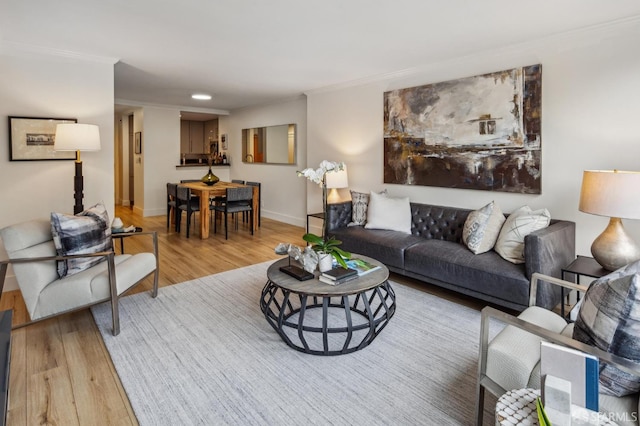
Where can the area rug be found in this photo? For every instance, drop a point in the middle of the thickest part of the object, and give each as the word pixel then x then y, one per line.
pixel 203 353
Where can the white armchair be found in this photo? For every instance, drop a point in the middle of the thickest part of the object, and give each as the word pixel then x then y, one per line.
pixel 33 256
pixel 511 360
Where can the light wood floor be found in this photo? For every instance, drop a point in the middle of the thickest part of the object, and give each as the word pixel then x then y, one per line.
pixel 61 372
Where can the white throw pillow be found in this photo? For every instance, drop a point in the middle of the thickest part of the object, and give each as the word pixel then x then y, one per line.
pixel 519 224
pixel 482 227
pixel 389 213
pixel 359 206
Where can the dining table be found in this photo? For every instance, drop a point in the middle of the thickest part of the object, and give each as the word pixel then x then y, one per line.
pixel 219 189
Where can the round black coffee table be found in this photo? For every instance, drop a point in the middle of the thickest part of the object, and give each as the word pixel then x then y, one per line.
pixel 322 319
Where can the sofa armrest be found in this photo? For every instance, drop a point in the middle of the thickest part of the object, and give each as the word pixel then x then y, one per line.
pixel 338 215
pixel 549 250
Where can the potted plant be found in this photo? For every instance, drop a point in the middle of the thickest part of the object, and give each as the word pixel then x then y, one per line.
pixel 328 247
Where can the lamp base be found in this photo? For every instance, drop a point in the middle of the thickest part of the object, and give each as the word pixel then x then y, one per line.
pixel 614 248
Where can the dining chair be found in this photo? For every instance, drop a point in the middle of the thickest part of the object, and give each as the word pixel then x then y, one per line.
pixel 172 195
pixel 258 210
pixel 186 203
pixel 237 200
pixel 237 181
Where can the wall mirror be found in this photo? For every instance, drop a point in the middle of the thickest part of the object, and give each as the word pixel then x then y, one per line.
pixel 270 144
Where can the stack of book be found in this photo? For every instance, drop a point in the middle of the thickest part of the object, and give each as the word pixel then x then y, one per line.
pixel 339 275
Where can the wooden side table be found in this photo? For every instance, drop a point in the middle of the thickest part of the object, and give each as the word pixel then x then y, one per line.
pixel 581 266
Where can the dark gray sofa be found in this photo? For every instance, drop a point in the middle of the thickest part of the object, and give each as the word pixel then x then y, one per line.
pixel 434 253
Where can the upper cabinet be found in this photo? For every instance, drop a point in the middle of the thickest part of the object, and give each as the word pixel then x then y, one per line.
pixel 198 137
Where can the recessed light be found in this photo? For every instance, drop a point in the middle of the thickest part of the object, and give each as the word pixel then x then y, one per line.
pixel 201 96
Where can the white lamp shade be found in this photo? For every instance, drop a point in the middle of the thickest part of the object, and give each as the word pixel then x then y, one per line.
pixel 77 137
pixel 337 179
pixel 611 193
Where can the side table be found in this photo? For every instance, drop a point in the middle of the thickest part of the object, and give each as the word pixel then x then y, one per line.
pixel 317 216
pixel 581 266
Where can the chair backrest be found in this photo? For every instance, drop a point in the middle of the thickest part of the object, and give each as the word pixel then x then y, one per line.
pixel 237 181
pixel 189 180
pixel 172 191
pixel 183 194
pixel 244 193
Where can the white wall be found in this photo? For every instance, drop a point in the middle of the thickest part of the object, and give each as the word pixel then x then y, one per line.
pixel 283 193
pixel 38 85
pixel 589 121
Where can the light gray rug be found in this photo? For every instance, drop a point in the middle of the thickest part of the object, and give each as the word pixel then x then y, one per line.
pixel 203 353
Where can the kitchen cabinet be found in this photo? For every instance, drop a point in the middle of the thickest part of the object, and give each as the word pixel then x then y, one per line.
pixel 192 137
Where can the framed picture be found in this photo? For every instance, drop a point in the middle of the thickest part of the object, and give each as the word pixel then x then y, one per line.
pixel 138 142
pixel 32 138
pixel 223 139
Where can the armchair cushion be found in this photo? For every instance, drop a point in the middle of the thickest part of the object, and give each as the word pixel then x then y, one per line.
pixel 609 319
pixel 85 233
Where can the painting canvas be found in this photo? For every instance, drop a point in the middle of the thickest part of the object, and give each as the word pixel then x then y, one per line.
pixel 480 132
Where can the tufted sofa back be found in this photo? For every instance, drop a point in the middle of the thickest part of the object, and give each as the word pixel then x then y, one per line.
pixel 437 222
pixel 427 221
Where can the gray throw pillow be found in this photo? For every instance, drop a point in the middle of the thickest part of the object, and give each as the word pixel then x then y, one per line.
pixel 359 207
pixel 609 319
pixel 482 227
pixel 87 232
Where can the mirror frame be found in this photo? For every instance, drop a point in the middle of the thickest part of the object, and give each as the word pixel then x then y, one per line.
pixel 291 143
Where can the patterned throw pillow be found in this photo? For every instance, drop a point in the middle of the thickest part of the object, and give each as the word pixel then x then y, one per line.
pixel 87 232
pixel 609 319
pixel 359 206
pixel 482 227
pixel 519 224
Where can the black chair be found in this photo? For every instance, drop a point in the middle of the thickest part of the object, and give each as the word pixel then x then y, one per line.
pixel 237 181
pixel 258 212
pixel 187 203
pixel 172 196
pixel 237 200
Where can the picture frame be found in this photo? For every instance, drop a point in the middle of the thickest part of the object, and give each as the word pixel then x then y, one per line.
pixel 138 142
pixel 33 138
pixel 224 141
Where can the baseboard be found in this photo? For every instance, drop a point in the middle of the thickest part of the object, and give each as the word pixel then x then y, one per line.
pixel 291 220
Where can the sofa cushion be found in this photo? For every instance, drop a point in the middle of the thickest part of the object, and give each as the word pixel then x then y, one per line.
pixel 482 227
pixel 385 246
pixel 486 273
pixel 87 232
pixel 609 319
pixel 519 224
pixel 389 213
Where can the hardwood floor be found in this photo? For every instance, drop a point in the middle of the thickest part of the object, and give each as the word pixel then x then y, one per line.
pixel 61 372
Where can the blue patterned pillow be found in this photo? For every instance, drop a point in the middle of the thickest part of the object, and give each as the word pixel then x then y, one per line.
pixel 609 319
pixel 87 232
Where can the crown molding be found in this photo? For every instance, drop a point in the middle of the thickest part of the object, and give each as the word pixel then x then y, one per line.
pixel 559 42
pixel 131 103
pixel 25 49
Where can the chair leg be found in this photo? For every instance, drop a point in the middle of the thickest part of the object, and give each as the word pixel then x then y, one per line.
pixel 226 230
pixel 251 220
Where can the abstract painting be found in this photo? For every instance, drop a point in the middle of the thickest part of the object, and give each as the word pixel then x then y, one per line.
pixel 480 132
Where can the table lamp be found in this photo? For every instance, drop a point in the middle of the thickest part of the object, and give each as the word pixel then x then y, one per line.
pixel 77 137
pixel 334 181
pixel 614 194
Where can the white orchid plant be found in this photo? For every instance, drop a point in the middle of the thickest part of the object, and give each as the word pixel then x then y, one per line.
pixel 318 175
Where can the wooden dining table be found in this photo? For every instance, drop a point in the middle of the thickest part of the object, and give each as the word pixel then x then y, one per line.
pixel 205 192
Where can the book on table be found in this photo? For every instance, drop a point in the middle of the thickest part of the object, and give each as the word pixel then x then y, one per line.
pixel 338 273
pixel 361 266
pixel 342 280
pixel 580 369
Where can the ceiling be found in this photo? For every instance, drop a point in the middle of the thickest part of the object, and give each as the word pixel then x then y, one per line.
pixel 247 52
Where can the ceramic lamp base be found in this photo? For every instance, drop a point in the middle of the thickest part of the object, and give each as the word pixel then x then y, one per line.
pixel 614 248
